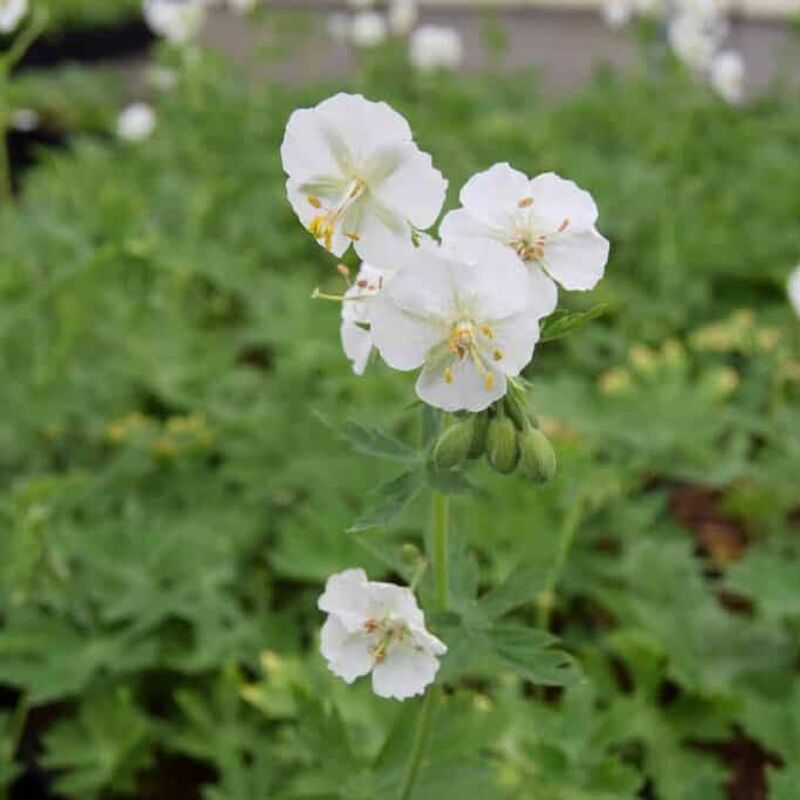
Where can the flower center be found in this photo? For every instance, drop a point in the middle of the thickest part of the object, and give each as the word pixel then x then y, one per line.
pixel 323 226
pixel 529 245
pixel 468 340
pixel 389 632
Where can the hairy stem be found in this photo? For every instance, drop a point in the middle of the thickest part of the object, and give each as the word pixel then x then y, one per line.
pixel 547 598
pixel 431 701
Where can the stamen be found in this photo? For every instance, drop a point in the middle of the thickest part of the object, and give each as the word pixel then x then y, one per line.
pixel 488 381
pixel 526 202
pixel 487 331
pixel 344 271
pixel 353 236
pixel 313 200
pixel 497 355
pixel 563 226
pixel 448 376
pixel 323 226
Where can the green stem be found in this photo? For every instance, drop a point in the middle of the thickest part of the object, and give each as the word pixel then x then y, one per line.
pixel 439 545
pixel 425 722
pixel 424 726
pixel 547 599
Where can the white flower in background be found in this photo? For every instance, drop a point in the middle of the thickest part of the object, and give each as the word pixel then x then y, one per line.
pixel 617 13
pixel 466 315
pixel 176 20
pixel 25 120
pixel 356 176
pixel 403 15
pixel 243 6
pixel 378 628
pixel 337 26
pixel 11 14
pixel 434 47
pixel 369 29
pixel 548 222
pixel 356 314
pixel 794 290
pixel 728 76
pixel 696 36
pixel 136 122
pixel 162 78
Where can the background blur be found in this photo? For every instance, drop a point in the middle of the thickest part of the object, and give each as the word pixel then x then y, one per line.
pixel 171 502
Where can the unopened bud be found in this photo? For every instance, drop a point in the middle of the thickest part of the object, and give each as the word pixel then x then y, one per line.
pixel 517 412
pixel 501 444
pixel 537 459
pixel 453 445
pixel 410 552
pixel 480 424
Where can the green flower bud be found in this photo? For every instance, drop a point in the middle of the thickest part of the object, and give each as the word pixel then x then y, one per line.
pixel 480 424
pixel 537 459
pixel 501 444
pixel 453 445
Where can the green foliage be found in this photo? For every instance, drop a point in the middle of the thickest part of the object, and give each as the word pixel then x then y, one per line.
pixel 170 504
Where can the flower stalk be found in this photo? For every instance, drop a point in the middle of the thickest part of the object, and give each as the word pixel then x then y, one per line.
pixel 439 548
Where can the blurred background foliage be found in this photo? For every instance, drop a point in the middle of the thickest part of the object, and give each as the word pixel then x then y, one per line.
pixel 171 502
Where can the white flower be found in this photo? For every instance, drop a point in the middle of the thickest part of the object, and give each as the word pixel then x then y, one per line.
pixel 435 47
pixel 548 222
pixel 25 119
pixel 728 76
pixel 794 290
pixel 617 13
pixel 403 15
pixel 696 36
pixel 378 628
pixel 242 6
pixel 369 29
pixel 467 314
pixel 11 14
pixel 136 122
pixel 162 78
pixel 176 20
pixel 356 314
pixel 337 26
pixel 355 175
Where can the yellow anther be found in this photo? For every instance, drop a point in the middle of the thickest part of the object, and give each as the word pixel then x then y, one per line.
pixel 526 202
pixel 352 235
pixel 488 381
pixel 487 331
pixel 497 355
pixel 314 201
pixel 448 376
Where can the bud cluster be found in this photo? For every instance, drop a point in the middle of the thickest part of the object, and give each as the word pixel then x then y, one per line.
pixel 507 433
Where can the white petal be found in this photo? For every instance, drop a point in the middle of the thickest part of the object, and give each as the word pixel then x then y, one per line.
pixel 544 293
pixel 388 599
pixel 490 280
pixel 429 641
pixel 516 337
pixel 347 654
pixel 357 345
pixel 345 592
pixel 556 199
pixel 415 188
pixel 308 151
pixel 402 339
pixel 460 224
pixel 492 197
pixel 363 126
pixel 577 260
pixel 794 290
pixel 467 391
pixel 382 232
pixel 406 671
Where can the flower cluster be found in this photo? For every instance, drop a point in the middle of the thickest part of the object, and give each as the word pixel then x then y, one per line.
pixel 430 47
pixel 696 31
pixel 464 311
